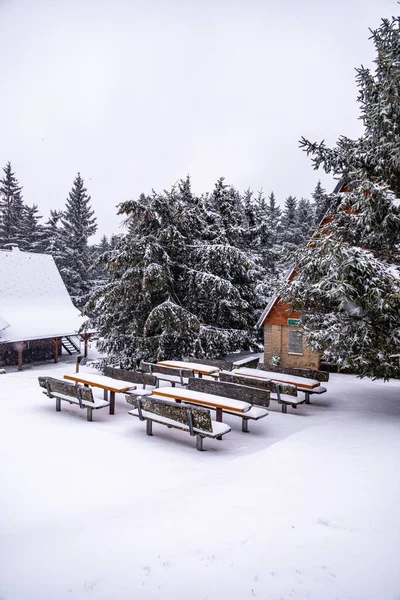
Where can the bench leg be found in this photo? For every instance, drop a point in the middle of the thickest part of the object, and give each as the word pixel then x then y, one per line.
pixel 199 443
pixel 245 425
pixel 307 394
pixel 219 419
pixel 89 413
pixel 284 407
pixel 112 403
pixel 105 395
pixel 58 404
pixel 173 383
pixel 149 427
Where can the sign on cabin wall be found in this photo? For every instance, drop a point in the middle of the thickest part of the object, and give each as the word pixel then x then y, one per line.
pixel 293 321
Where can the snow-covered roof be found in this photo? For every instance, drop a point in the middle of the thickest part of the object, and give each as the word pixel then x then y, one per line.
pixel 266 311
pixel 3 324
pixel 34 302
pixel 271 303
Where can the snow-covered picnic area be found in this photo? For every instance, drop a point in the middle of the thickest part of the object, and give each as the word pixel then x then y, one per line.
pixel 305 506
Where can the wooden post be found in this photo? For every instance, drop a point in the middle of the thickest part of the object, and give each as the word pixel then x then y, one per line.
pixel 77 365
pixel 56 342
pixel 86 337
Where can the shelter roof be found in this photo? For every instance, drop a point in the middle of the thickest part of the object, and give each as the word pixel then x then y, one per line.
pixel 34 302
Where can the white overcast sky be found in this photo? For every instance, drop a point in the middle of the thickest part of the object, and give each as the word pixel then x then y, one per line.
pixel 137 93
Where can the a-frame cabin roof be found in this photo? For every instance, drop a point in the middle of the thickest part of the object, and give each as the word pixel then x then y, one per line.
pixel 34 302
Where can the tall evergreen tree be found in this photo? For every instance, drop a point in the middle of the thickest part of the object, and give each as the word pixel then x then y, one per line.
pixel 32 231
pixel 173 292
pixel 305 218
pixel 78 224
pixel 348 279
pixel 289 219
pixel 53 242
pixel 11 208
pixel 321 202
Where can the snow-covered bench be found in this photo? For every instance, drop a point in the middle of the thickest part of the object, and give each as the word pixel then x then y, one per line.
pixel 284 393
pixel 322 376
pixel 247 361
pixel 258 398
pixel 170 374
pixel 74 394
pixel 195 420
pixel 145 380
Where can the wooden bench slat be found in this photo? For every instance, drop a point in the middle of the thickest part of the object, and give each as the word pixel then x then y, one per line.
pixel 160 406
pixel 137 377
pixel 105 383
pixel 217 428
pixel 252 395
pixel 209 400
pixel 321 376
pixel 281 377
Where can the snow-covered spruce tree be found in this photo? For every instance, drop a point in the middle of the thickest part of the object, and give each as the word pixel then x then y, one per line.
pixel 53 242
pixel 348 278
pixel 33 232
pixel 78 224
pixel 321 202
pixel 138 304
pixel 226 201
pixel 172 292
pixel 305 218
pixel 11 208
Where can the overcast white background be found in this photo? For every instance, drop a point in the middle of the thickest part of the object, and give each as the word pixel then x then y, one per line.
pixel 135 94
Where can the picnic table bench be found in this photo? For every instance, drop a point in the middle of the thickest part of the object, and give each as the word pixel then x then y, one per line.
pixel 145 380
pixel 319 376
pixel 108 384
pixel 303 384
pixel 214 401
pixel 171 374
pixel 247 361
pixel 259 399
pixel 285 394
pixel 195 420
pixel 199 368
pixel 74 394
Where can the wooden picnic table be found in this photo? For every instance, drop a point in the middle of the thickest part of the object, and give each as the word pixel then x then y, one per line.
pixel 108 384
pixel 218 403
pixel 196 367
pixel 299 382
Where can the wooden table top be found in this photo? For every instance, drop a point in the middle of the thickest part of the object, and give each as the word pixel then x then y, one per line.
pixel 301 382
pixel 101 381
pixel 203 399
pixel 196 367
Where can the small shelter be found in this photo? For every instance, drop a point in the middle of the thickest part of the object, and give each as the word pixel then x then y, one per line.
pixel 282 336
pixel 37 317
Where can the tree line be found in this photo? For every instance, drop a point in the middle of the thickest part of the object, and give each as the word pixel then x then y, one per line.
pixel 189 274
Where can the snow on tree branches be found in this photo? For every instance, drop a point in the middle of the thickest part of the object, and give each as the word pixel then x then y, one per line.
pixel 348 278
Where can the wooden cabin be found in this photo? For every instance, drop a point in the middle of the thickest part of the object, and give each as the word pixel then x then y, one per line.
pixel 282 336
pixel 37 318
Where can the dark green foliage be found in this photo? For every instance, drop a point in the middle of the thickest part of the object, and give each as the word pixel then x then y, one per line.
pixel 348 280
pixel 173 292
pixel 73 259
pixel 321 202
pixel 11 208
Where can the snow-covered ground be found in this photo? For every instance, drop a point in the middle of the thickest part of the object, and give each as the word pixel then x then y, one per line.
pixel 305 506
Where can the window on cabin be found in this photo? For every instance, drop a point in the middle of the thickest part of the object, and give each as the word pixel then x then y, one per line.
pixel 295 342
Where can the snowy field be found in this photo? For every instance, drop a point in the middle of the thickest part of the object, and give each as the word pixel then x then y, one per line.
pixel 305 506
